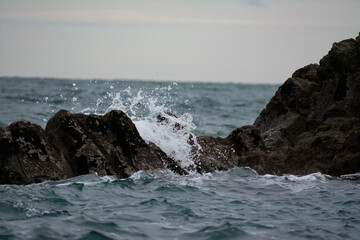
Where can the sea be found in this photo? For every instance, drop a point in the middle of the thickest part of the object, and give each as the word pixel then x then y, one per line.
pixel 233 204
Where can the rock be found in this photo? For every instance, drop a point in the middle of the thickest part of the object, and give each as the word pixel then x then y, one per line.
pixel 312 124
pixel 244 147
pixel 76 144
pixel 26 157
pixel 313 120
pixel 170 119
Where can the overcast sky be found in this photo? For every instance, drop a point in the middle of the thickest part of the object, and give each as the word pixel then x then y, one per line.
pixel 252 41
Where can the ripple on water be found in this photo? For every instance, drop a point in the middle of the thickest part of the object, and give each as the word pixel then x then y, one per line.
pixel 226 230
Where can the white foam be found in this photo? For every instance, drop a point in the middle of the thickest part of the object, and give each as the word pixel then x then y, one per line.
pixel 354 176
pixel 116 104
pixel 138 175
pixel 295 183
pixel 86 180
pixel 31 211
pixel 293 178
pixel 172 136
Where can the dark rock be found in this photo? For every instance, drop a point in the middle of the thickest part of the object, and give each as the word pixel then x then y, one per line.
pixel 244 147
pixel 308 124
pixel 76 144
pixel 164 118
pixel 25 156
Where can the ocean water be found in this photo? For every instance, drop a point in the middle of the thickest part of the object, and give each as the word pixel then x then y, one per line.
pixel 234 204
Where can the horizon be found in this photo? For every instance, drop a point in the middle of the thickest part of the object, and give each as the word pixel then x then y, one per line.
pixel 135 80
pixel 235 41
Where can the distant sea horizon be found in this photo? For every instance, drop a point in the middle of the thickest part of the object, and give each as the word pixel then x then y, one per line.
pixel 138 79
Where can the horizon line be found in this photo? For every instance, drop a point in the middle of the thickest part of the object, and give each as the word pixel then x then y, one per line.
pixel 138 80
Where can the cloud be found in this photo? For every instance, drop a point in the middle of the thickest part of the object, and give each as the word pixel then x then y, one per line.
pixel 236 13
pixel 256 3
pixel 125 17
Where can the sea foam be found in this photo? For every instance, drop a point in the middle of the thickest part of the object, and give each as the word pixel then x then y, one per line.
pixel 174 136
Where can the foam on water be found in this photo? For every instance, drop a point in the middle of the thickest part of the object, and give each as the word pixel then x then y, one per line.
pixel 247 176
pixel 86 180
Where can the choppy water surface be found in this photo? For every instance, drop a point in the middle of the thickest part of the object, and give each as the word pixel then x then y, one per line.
pixel 235 204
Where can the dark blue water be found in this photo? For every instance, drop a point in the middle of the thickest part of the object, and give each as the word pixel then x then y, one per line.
pixel 235 204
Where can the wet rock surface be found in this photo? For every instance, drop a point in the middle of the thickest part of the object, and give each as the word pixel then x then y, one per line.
pixel 312 124
pixel 26 157
pixel 76 144
pixel 244 147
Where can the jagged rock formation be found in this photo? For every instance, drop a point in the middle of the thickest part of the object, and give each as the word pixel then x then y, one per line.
pixel 312 124
pixel 76 144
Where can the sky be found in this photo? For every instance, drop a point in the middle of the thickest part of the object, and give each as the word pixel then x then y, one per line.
pixel 247 41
